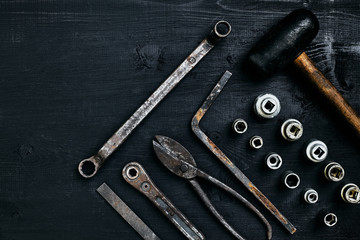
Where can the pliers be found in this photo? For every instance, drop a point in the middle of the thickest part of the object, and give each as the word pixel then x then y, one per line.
pixel 179 161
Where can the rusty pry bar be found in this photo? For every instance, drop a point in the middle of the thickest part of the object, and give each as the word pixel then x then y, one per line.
pixel 130 217
pixel 136 176
pixel 89 167
pixel 226 161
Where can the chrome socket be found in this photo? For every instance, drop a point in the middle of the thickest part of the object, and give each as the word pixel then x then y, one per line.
pixel 290 179
pixel 256 142
pixel 239 126
pixel 311 196
pixel 273 160
pixel 328 218
pixel 267 106
pixel 292 130
pixel 316 151
pixel 350 193
pixel 334 172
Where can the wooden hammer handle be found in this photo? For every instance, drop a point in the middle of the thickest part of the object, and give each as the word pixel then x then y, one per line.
pixel 304 63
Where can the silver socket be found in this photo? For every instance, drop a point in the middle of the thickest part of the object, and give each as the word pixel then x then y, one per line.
pixel 267 106
pixel 311 196
pixel 256 142
pixel 290 179
pixel 330 219
pixel 239 126
pixel 316 151
pixel 334 172
pixel 350 193
pixel 292 130
pixel 273 160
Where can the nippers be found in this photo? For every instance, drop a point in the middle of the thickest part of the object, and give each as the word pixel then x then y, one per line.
pixel 179 161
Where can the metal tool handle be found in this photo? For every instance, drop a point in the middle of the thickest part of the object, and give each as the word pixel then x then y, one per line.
pixel 327 89
pixel 136 176
pixel 228 189
pixel 89 167
pixel 130 217
pixel 208 203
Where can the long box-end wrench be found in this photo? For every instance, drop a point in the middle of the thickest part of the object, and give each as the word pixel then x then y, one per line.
pixel 89 167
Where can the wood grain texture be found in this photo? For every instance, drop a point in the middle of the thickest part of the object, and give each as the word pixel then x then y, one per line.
pixel 73 71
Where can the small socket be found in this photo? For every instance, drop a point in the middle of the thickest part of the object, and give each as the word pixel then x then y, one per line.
pixel 273 161
pixel 267 106
pixel 291 130
pixel 256 142
pixel 350 193
pixel 311 196
pixel 334 172
pixel 239 126
pixel 291 179
pixel 316 151
pixel 328 218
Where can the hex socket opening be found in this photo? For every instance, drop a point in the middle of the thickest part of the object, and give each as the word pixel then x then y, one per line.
pixel 291 180
pixel 239 126
pixel 132 172
pixel 273 161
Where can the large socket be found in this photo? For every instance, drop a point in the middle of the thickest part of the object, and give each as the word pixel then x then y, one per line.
pixel 267 106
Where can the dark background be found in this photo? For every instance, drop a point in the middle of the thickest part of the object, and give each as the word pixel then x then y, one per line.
pixel 72 72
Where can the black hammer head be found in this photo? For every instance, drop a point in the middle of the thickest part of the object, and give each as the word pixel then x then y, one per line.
pixel 284 42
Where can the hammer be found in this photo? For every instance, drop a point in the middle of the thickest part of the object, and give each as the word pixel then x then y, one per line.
pixel 285 43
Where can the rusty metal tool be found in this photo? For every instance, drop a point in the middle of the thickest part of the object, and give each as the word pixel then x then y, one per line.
pixel 284 44
pixel 179 161
pixel 136 176
pixel 130 217
pixel 89 167
pixel 225 160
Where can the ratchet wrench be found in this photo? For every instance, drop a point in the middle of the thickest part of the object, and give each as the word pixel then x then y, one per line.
pixel 136 176
pixel 90 166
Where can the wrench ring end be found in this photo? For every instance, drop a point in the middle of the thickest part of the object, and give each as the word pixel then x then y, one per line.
pixel 88 167
pixel 220 32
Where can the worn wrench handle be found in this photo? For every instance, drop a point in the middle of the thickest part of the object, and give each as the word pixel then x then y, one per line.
pixel 136 176
pixel 89 167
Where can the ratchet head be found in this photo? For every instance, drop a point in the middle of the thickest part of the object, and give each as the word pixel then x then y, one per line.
pixel 175 157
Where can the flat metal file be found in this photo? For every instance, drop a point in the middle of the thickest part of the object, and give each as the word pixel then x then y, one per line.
pixel 130 217
pixel 226 161
pixel 89 167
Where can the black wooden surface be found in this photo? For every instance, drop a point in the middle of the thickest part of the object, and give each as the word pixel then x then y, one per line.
pixel 72 72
